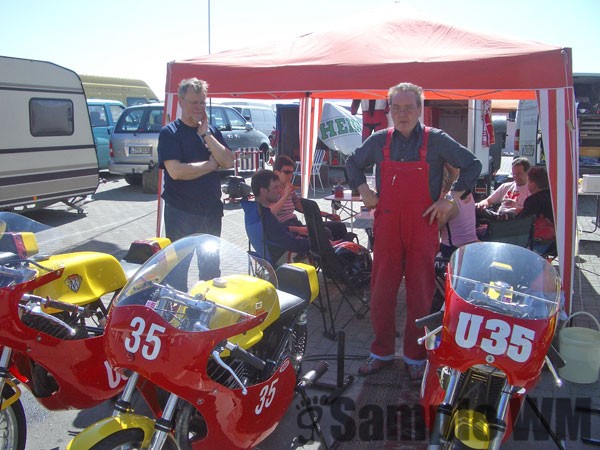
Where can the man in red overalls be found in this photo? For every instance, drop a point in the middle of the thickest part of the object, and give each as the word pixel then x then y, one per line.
pixel 409 161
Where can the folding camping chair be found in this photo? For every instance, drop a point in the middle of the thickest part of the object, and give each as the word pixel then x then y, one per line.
pixel 333 269
pixel 517 231
pixel 254 230
pixel 315 171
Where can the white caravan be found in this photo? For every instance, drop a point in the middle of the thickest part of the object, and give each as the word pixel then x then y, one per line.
pixel 46 142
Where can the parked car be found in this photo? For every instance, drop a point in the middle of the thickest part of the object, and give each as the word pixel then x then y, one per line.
pixel 134 141
pixel 261 116
pixel 103 117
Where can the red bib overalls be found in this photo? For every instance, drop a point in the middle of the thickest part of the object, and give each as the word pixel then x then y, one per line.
pixel 405 245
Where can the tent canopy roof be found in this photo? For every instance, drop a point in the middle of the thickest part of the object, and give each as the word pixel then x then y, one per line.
pixel 448 62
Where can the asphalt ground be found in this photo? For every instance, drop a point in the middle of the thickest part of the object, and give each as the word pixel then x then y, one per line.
pixel 118 214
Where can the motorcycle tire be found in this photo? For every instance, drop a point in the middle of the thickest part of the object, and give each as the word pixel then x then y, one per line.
pixel 189 426
pixel 13 426
pixel 130 439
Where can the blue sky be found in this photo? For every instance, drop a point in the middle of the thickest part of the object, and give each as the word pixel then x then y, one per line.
pixel 137 39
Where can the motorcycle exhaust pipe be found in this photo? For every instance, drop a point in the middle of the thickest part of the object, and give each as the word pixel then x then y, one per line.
pixel 313 375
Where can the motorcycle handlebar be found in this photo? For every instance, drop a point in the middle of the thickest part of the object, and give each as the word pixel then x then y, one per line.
pixel 240 353
pixel 56 304
pixel 431 321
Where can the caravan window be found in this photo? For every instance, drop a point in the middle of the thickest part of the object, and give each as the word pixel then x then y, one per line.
pixel 50 117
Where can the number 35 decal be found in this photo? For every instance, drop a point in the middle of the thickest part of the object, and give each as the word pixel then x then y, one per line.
pixel 151 345
pixel 515 341
pixel 267 394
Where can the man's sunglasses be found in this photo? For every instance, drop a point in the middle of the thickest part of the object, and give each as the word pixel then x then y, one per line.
pixel 287 172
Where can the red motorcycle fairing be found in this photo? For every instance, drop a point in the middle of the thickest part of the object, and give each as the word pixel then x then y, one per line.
pixel 473 335
pixel 234 420
pixel 83 375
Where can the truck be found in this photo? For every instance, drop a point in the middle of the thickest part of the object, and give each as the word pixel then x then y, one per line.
pixel 128 91
pixel 528 138
pixel 46 141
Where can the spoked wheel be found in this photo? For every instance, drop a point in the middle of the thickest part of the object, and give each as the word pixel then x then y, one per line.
pixel 13 427
pixel 129 440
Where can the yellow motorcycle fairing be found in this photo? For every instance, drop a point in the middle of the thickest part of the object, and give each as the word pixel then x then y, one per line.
pixel 6 402
pixel 253 296
pixel 243 293
pixel 109 426
pixel 87 276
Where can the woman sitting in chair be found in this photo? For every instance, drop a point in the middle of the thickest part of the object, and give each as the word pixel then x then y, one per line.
pixel 458 231
pixel 289 201
pixel 461 227
pixel 539 203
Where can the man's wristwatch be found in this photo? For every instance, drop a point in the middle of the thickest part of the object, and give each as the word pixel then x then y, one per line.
pixel 450 199
pixel 206 133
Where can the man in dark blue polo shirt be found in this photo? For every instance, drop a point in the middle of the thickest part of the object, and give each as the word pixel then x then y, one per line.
pixel 191 152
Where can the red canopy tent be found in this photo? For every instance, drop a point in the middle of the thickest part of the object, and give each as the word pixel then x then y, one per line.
pixel 389 47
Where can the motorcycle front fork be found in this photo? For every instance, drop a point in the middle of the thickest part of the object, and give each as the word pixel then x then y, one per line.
pixel 162 426
pixel 443 417
pixel 4 363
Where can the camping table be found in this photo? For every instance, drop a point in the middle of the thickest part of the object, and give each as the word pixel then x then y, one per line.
pixel 346 206
pixel 597 219
pixel 364 220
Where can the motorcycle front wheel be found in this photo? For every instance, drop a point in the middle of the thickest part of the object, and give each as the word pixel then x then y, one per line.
pixel 130 439
pixel 13 427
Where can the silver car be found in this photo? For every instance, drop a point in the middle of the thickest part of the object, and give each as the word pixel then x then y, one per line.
pixel 135 138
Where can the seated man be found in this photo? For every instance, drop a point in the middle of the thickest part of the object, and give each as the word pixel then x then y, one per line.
pixel 511 195
pixel 282 243
pixel 289 201
pixel 539 203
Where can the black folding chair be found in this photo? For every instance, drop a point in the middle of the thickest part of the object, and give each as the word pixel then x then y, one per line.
pixel 517 231
pixel 353 290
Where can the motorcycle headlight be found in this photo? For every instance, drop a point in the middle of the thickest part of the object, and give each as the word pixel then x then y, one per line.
pixel 472 429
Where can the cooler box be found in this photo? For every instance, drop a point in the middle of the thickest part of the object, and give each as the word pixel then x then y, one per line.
pixel 591 183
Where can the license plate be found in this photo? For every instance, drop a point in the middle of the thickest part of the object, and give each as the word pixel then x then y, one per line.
pixel 140 150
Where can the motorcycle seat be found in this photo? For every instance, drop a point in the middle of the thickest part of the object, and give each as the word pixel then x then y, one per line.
pixel 290 303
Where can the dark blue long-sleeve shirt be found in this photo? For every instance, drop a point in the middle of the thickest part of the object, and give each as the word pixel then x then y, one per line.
pixel 441 148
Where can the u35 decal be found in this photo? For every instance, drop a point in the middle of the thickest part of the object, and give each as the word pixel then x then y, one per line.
pixel 150 346
pixel 495 336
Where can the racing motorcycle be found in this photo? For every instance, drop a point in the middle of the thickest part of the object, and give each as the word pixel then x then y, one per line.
pixel 488 345
pixel 213 338
pixel 51 326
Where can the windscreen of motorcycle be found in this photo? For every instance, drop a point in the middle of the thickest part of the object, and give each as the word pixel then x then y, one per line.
pixel 203 282
pixel 506 279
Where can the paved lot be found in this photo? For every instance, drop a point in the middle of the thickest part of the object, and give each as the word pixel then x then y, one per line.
pixel 118 214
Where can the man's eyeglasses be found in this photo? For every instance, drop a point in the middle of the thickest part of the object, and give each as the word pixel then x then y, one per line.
pixel 287 172
pixel 409 109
